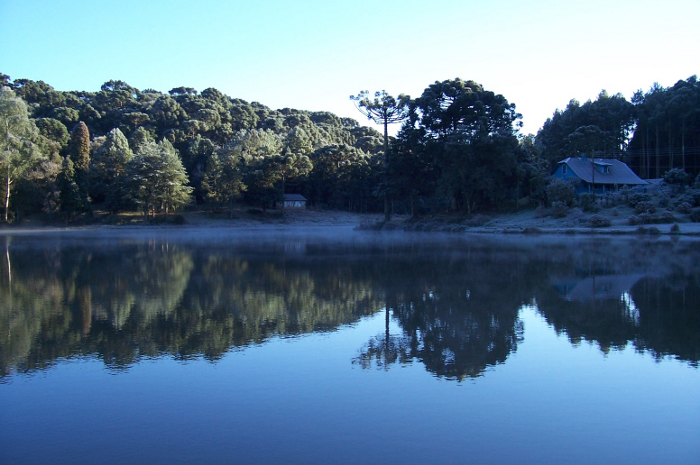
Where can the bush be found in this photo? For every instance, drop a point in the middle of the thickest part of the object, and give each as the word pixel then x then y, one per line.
pixel 645 206
pixel 695 215
pixel 559 210
pixel 587 202
pixel 635 198
pixel 634 220
pixel 576 213
pixel 644 230
pixel 478 220
pixel 675 229
pixel 179 220
pixel 684 207
pixel 676 176
pixel 561 191
pixel 666 217
pixel 598 221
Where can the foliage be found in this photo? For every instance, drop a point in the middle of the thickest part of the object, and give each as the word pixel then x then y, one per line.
pixel 676 176
pixel 598 221
pixel 223 179
pixel 156 179
pixel 18 150
pixel 79 153
pixel 561 191
pixel 668 125
pixel 108 165
pixel 602 126
pixel 383 109
pixel 469 135
pixel 645 207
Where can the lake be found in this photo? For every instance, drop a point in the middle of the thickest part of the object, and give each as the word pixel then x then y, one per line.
pixel 328 345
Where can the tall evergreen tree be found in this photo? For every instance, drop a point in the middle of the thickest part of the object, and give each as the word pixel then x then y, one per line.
pixel 79 153
pixel 156 179
pixel 108 165
pixel 385 110
pixel 70 198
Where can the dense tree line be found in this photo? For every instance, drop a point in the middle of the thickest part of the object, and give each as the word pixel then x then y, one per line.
pixel 124 148
pixel 657 131
pixel 459 148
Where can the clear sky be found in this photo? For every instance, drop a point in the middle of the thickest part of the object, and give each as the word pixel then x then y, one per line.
pixel 312 55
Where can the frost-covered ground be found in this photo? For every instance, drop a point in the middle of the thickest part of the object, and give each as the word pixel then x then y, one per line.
pixel 527 221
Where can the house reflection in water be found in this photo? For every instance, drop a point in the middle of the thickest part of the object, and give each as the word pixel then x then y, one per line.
pixel 603 288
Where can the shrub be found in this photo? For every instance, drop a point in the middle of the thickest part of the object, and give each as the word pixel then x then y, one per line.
pixel 695 215
pixel 179 220
pixel 586 201
pixel 635 198
pixel 645 230
pixel 576 213
pixel 684 207
pixel 598 221
pixel 478 220
pixel 666 217
pixel 559 210
pixel 634 220
pixel 676 176
pixel 675 229
pixel 561 191
pixel 645 206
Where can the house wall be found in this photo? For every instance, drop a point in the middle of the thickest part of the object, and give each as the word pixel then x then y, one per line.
pixel 294 204
pixel 581 186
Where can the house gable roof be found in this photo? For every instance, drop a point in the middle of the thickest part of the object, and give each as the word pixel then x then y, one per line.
pixel 294 198
pixel 618 172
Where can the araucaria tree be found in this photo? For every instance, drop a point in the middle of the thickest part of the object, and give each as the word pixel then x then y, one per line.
pixel 17 132
pixel 470 134
pixel 156 179
pixel 385 110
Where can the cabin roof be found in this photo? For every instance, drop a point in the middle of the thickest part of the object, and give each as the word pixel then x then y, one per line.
pixel 618 172
pixel 294 198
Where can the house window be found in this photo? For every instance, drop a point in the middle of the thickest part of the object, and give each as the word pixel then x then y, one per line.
pixel 605 169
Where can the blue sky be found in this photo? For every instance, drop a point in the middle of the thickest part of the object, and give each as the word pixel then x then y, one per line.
pixel 312 55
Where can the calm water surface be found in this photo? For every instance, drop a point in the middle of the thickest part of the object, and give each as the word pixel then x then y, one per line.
pixel 333 346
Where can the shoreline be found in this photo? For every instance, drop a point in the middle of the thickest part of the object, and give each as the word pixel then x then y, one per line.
pixel 522 223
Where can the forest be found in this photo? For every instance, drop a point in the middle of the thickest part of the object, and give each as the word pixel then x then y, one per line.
pixel 459 148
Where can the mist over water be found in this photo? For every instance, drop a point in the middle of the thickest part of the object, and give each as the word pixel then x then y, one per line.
pixel 315 326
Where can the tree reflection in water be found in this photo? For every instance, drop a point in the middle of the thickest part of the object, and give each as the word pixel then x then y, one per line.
pixel 456 302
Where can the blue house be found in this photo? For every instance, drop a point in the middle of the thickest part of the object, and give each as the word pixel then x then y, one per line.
pixel 597 175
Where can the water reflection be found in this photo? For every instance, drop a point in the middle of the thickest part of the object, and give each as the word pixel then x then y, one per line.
pixel 456 302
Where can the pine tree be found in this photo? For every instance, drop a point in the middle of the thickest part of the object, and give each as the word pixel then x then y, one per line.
pixel 71 200
pixel 156 178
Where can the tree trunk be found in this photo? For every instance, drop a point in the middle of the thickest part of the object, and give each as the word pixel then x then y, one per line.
pixel 7 194
pixel 658 154
pixel 387 207
pixel 683 145
pixel 670 148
